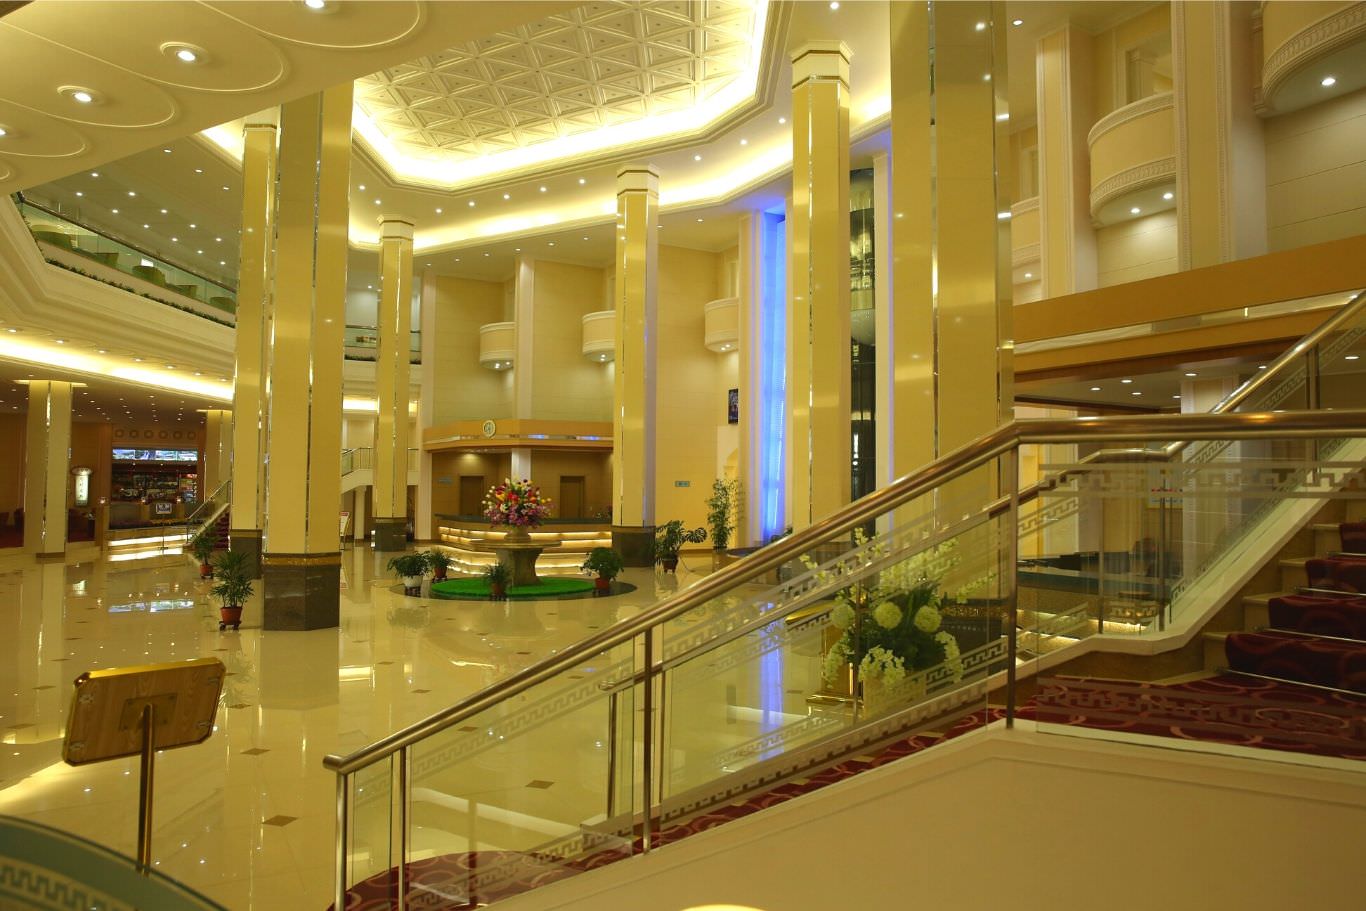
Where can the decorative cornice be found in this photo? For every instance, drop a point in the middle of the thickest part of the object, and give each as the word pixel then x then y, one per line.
pixel 1130 112
pixel 1025 205
pixel 1023 256
pixel 1130 179
pixel 1342 28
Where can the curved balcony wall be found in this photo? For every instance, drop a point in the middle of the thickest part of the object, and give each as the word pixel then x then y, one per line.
pixel 497 343
pixel 600 336
pixel 1304 42
pixel 1133 159
pixel 722 324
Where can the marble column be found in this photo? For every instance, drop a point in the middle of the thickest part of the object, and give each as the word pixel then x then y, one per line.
pixel 217 450
pixel 1067 242
pixel 391 383
pixel 255 276
pixel 633 412
pixel 950 309
pixel 1220 152
pixel 301 559
pixel 818 320
pixel 47 464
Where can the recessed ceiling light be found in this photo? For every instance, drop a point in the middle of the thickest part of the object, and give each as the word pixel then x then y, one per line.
pixel 471 203
pixel 1328 81
pixel 744 142
pixel 147 226
pixel 1168 195
pixel 981 27
pixel 175 240
pixel 1192 374
pixel 94 173
pixel 514 250
pixel 377 202
pixel 834 4
pixel 216 239
pixel 1095 389
pixel 549 244
pixel 1352 357
pixel 167 151
pixel 486 254
pixel 1135 210
pixel 1261 367
pixel 315 4
pixel 1126 381
pixel 193 226
pixel 163 212
pixel 199 170
pixel 132 193
pixel 782 120
pixel 4 132
pixel 101 351
pixel 542 189
pixel 225 186
pixel 361 187
pixel 585 237
pixel 1135 393
pixel 79 193
pixel 60 341
pixel 699 221
pixel 78 94
pixel 12 331
pixel 1017 22
pixel 137 360
pixel 1002 216
pixel 1029 275
pixel 200 252
pixel 1176 396
pixel 186 55
pixel 582 181
pixel 697 158
pixel 438 211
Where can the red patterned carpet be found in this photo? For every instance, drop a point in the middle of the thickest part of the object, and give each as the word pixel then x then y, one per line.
pixel 1344 618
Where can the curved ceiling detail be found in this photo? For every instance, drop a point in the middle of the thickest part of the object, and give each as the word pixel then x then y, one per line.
pixel 341 26
pixel 586 83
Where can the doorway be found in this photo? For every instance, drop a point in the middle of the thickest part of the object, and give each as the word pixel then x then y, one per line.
pixel 471 495
pixel 572 489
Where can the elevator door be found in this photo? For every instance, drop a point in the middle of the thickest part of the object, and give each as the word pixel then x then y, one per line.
pixel 471 495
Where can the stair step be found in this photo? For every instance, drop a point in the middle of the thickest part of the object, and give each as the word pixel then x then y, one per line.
pixel 1215 659
pixel 1327 539
pixel 1355 511
pixel 1293 575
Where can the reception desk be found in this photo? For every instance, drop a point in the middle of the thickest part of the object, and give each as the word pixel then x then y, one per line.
pixel 470 541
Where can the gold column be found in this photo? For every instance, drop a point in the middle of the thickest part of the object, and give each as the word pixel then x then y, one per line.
pixel 391 382
pixel 818 329
pixel 217 450
pixel 633 412
pixel 301 559
pixel 47 464
pixel 255 277
pixel 951 325
pixel 1067 241
pixel 1220 152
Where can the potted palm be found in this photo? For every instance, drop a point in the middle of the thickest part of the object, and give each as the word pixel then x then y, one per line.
pixel 498 576
pixel 410 568
pixel 232 589
pixel 201 545
pixel 606 564
pixel 438 561
pixel 721 512
pixel 669 540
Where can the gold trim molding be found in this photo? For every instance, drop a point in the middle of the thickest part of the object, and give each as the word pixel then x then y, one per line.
pixel 329 559
pixel 1329 34
pixel 1130 179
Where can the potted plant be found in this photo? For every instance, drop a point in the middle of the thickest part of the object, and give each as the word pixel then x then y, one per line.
pixel 498 576
pixel 520 505
pixel 411 568
pixel 202 546
pixel 606 563
pixel 721 511
pixel 670 538
pixel 232 589
pixel 438 561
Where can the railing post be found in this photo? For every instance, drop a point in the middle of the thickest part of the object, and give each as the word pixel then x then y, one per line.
pixel 403 803
pixel 612 755
pixel 343 797
pixel 648 744
pixel 1011 577
pixel 1163 599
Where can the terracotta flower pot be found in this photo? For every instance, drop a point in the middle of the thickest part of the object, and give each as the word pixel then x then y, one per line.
pixel 498 591
pixel 206 570
pixel 602 584
pixel 670 564
pixel 438 573
pixel 230 616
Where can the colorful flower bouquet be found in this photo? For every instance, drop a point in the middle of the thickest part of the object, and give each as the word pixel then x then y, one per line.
pixel 516 503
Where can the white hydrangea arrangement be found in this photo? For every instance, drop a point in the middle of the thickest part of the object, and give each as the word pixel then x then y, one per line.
pixel 892 627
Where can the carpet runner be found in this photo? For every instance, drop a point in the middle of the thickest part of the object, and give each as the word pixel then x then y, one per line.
pixel 1322 662
pixel 1353 537
pixel 1344 618
pixel 1343 574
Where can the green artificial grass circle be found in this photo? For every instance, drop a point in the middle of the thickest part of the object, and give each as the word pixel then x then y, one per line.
pixel 550 587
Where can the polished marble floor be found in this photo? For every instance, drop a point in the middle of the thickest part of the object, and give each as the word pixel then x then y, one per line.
pixel 248 817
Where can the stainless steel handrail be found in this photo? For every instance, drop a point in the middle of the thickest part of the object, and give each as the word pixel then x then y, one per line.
pixel 1116 429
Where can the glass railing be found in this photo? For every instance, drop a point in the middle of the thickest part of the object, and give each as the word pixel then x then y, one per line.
pixel 208 512
pixel 42 867
pixel 81 248
pixel 830 650
pixel 361 342
pixel 364 457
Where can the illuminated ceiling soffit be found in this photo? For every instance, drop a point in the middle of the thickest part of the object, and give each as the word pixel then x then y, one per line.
pixel 588 83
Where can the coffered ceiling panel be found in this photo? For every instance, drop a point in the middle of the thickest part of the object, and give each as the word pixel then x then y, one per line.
pixel 597 66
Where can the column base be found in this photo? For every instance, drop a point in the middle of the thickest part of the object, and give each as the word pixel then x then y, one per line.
pixel 247 541
pixel 390 534
pixel 301 591
pixel 635 543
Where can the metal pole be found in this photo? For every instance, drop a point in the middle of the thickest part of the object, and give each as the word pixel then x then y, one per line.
pixel 145 788
pixel 1163 603
pixel 648 747
pixel 343 796
pixel 612 755
pixel 1012 575
pixel 403 829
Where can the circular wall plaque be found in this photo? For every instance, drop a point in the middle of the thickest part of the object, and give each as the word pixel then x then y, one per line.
pixel 490 428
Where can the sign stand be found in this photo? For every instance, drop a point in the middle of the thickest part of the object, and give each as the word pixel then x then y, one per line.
pixel 137 711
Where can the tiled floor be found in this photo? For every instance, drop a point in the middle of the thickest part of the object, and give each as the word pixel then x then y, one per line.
pixel 248 816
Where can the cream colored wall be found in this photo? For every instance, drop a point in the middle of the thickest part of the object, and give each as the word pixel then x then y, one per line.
pixel 1137 249
pixel 447 467
pixel 1109 47
pixel 691 395
pixel 359 432
pixel 1026 184
pixel 463 389
pixel 565 385
pixel 1316 173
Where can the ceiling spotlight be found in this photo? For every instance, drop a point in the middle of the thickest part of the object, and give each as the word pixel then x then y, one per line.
pixel 542 189
pixel 193 226
pixel 782 120
pixel 146 226
pixel 1029 275
pixel 585 237
pixel 60 341
pixel 744 142
pixel 834 4
pixel 167 151
pixel 137 360
pixel 1352 357
pixel 186 55
pixel 1176 396
pixel 79 193
pixel 1135 393
pixel 377 202
pixel 1095 389
pixel 514 250
pixel 699 221
pixel 216 239
pixel 582 181
pixel 361 187
pixel 315 4
pixel 471 203
pixel 1192 374
pixel 225 186
pixel 115 211
pixel 438 211
pixel 94 173
pixel 1168 195
pixel 507 196
pixel 981 27
pixel 488 254
pixel 199 170
pixel 175 240
pixel 1135 210
pixel 1126 381
pixel 1328 81
pixel 222 262
pixel 4 132
pixel 78 95
pixel 548 244
pixel 697 158
pixel 132 193
pixel 1017 22
pixel 1261 367
pixel 163 212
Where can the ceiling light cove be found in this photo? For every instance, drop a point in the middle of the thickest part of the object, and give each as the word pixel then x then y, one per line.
pixel 576 81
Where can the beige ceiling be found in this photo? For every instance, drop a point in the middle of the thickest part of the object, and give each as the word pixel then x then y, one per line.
pixel 251 54
pixel 102 398
pixel 598 65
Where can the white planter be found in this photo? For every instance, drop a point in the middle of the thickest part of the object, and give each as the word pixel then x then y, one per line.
pixel 412 582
